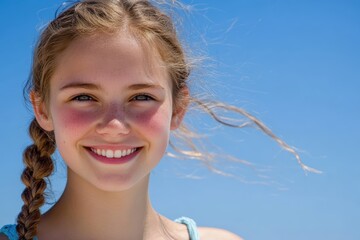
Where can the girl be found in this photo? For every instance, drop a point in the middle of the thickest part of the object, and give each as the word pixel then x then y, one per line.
pixel 108 86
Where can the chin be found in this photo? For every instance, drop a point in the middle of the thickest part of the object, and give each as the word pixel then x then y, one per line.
pixel 119 183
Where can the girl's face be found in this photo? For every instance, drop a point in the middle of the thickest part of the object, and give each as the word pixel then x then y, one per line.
pixel 111 110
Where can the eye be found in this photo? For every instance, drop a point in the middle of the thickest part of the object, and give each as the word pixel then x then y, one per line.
pixel 142 97
pixel 82 98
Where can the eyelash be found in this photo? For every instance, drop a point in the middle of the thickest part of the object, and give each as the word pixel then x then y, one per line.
pixel 147 97
pixel 80 98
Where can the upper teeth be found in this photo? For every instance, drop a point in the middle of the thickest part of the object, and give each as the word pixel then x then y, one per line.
pixel 113 154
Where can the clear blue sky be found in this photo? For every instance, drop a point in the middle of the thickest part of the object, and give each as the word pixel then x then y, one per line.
pixel 294 64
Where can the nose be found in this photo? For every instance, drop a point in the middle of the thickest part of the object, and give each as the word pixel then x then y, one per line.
pixel 113 122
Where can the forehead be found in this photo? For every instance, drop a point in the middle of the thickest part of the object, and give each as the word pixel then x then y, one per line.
pixel 105 55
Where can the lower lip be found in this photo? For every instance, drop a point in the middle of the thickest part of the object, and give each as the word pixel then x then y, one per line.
pixel 121 160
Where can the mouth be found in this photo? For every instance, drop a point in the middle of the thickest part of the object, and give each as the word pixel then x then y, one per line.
pixel 113 153
pixel 113 156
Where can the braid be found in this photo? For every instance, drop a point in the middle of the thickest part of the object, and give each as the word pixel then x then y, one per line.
pixel 39 165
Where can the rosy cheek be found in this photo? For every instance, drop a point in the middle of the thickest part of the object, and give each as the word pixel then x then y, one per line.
pixel 156 120
pixel 70 119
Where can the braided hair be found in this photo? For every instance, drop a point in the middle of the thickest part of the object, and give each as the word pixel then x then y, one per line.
pixel 39 165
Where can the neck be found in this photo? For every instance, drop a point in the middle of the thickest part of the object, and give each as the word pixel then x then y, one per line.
pixel 86 212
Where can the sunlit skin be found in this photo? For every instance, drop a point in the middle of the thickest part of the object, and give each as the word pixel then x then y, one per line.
pixel 110 92
pixel 104 95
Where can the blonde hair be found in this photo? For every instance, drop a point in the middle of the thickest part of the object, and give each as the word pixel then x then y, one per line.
pixel 149 25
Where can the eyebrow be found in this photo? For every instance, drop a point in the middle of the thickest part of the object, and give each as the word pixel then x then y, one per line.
pixel 92 86
pixel 80 85
pixel 144 86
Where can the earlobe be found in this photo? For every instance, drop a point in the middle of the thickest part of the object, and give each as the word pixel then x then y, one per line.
pixel 175 123
pixel 180 111
pixel 41 113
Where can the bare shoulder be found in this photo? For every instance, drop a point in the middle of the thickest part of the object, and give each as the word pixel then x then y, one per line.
pixel 3 237
pixel 207 233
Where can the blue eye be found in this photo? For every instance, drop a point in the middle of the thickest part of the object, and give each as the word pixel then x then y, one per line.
pixel 83 98
pixel 142 97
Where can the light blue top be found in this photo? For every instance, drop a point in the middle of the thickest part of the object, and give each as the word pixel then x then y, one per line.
pixel 191 226
pixel 10 230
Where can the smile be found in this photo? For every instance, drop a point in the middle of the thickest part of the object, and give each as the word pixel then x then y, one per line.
pixel 113 153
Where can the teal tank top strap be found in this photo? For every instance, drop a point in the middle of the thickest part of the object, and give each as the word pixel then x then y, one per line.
pixel 10 231
pixel 191 226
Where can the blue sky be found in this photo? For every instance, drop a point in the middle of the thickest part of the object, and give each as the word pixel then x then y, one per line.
pixel 294 64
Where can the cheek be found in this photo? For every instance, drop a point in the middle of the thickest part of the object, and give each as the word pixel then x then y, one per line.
pixel 153 121
pixel 69 120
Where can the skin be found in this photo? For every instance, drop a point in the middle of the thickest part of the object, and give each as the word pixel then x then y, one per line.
pixel 100 98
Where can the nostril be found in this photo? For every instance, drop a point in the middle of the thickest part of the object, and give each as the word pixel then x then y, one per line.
pixel 113 127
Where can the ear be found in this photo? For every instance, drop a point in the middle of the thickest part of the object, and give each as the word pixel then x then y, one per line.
pixel 179 112
pixel 41 113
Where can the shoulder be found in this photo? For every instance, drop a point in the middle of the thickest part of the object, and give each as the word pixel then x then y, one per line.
pixel 207 233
